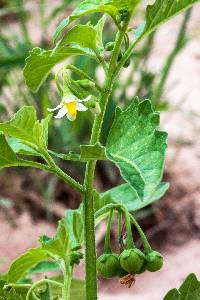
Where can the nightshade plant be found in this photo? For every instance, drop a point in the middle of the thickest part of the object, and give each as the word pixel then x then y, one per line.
pixel 134 144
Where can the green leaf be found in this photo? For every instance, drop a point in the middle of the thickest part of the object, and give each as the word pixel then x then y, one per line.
pixel 83 35
pixel 40 63
pixel 21 125
pixel 74 221
pixel 18 147
pixel 110 7
pixel 93 152
pixel 137 147
pixel 13 292
pixel 26 127
pixel 7 156
pixel 84 8
pixel 172 295
pixel 126 196
pixel 99 29
pixel 57 246
pixel 189 290
pixel 163 10
pixel 70 156
pixel 22 264
pixel 44 266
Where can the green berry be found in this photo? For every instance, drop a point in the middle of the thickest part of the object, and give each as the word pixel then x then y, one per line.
pixel 154 261
pixel 132 260
pixel 108 265
pixel 143 268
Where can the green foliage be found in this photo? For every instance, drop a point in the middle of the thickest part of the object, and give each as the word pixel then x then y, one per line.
pixel 190 289
pixel 13 293
pixel 25 126
pixel 18 147
pixel 110 7
pixel 7 155
pixel 40 63
pixel 58 246
pixel 137 147
pixel 43 266
pixel 83 35
pixel 22 264
pixel 161 11
pixel 84 8
pixel 90 152
pixel 74 220
pixel 125 195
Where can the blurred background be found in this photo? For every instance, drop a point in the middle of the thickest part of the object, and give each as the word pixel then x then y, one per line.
pixel 164 68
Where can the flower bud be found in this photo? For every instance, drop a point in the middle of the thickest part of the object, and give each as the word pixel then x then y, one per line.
pixel 94 106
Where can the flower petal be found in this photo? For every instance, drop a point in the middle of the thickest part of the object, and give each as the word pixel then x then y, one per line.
pixel 69 98
pixel 80 107
pixel 62 112
pixel 56 108
pixel 85 100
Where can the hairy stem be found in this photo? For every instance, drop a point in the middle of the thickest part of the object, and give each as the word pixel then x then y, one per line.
pixel 54 170
pixel 88 202
pixel 67 284
pixel 107 248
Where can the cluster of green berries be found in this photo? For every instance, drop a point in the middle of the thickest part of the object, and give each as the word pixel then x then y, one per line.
pixel 130 261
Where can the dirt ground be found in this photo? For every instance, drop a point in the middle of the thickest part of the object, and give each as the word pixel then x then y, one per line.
pixel 181 252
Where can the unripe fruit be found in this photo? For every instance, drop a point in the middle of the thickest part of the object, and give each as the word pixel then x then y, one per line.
pixel 143 268
pixel 108 265
pixel 132 260
pixel 154 261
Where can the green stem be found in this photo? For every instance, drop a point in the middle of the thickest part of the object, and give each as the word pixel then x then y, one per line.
pixel 147 247
pixel 41 282
pixel 88 202
pixel 107 248
pixel 130 242
pixel 67 284
pixel 101 61
pixel 81 73
pixel 55 170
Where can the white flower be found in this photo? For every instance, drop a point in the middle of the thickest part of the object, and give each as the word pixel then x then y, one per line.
pixel 69 106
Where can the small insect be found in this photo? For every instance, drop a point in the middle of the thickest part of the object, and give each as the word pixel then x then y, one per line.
pixel 128 280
